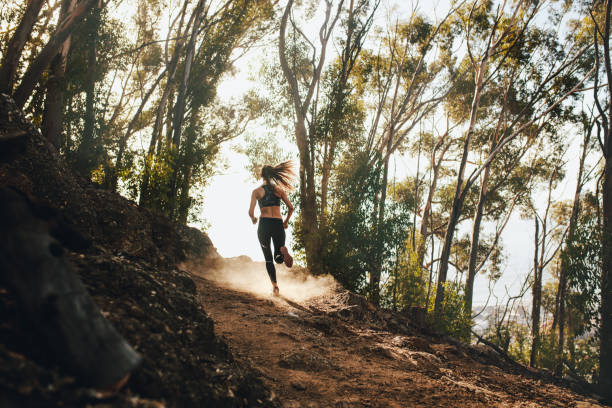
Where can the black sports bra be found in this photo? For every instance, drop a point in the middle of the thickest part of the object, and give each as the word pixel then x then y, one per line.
pixel 269 199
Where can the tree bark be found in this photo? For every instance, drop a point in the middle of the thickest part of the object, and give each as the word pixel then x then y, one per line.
pixel 179 107
pixel 459 191
pixel 605 361
pixel 377 269
pixel 14 49
pixel 471 274
pixel 426 219
pixel 308 200
pixel 87 154
pixel 536 300
pixel 53 115
pixel 46 55
pixel 573 220
pixel 123 141
pixel 605 330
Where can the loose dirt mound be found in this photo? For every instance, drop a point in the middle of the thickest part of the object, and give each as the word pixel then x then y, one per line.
pixel 336 350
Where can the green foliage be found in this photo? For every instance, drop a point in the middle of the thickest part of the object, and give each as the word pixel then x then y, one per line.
pixel 582 255
pixel 584 358
pixel 351 244
pixel 453 320
pixel 262 150
pixel 547 354
pixel 407 285
pixel 349 239
pixel 520 345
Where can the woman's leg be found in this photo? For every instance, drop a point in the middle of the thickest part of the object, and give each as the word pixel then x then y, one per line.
pixel 264 235
pixel 281 253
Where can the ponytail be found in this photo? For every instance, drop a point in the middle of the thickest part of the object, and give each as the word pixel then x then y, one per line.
pixel 282 175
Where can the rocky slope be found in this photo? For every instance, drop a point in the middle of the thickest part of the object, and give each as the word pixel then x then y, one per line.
pixel 129 264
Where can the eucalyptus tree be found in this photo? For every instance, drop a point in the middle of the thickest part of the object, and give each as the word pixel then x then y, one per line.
pixel 163 87
pixel 547 240
pixel 506 106
pixel 437 148
pixel 178 29
pixel 491 36
pixel 39 64
pixel 16 44
pixel 587 122
pixel 601 37
pixel 581 259
pixel 317 126
pixel 54 99
pixel 407 80
pixel 235 25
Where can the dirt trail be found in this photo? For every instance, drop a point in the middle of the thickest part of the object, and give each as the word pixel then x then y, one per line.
pixel 314 352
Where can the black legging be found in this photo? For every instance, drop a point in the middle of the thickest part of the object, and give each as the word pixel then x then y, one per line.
pixel 271 228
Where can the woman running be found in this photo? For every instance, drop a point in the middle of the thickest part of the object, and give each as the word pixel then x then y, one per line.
pixel 276 182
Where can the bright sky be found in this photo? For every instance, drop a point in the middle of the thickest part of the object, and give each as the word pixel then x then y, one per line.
pixel 228 194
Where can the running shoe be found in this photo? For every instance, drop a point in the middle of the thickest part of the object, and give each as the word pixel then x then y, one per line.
pixel 288 259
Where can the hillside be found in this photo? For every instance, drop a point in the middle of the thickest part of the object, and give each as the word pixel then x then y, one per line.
pixel 127 258
pixel 318 345
pixel 207 329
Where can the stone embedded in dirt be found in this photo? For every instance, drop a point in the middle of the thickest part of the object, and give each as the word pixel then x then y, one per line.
pixel 322 323
pixel 427 358
pixel 288 335
pixel 305 360
pixel 417 343
pixel 298 385
pixel 380 351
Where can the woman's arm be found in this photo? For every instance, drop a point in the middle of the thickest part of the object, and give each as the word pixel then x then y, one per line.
pixel 252 207
pixel 289 207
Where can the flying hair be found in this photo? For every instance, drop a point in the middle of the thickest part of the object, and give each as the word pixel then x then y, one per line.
pixel 282 175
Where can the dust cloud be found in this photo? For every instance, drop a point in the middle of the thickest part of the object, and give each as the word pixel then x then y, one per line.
pixel 245 275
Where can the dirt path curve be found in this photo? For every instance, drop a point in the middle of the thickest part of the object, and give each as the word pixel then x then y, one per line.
pixel 310 358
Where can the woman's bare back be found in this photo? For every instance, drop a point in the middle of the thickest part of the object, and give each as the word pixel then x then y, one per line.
pixel 270 211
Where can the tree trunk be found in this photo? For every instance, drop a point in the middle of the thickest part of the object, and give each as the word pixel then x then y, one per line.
pixel 605 362
pixel 426 219
pixel 459 193
pixel 471 275
pixel 46 55
pixel 179 107
pixel 161 109
pixel 14 49
pixel 605 331
pixel 53 115
pixel 308 201
pixel 605 376
pixel 301 105
pixel 87 155
pixel 150 157
pixel 184 202
pixel 123 141
pixel 570 236
pixel 157 127
pixel 536 300
pixel 326 173
pixel 377 270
